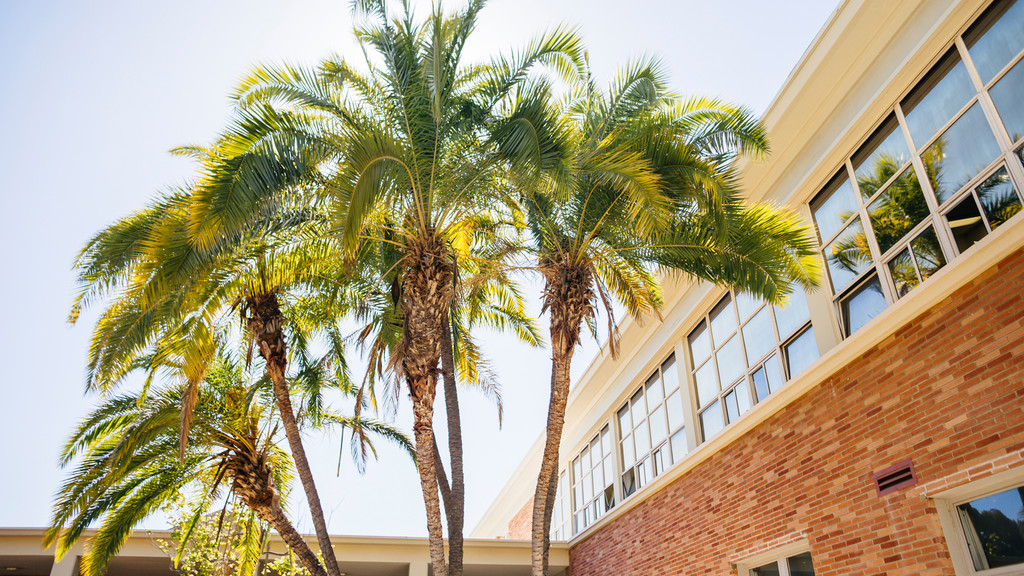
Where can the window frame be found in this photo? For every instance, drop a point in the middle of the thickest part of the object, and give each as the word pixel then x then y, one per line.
pixel 666 442
pixel 746 566
pixel 1010 156
pixel 956 540
pixel 779 350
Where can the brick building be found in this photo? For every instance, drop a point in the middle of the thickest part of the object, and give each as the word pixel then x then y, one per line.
pixel 876 425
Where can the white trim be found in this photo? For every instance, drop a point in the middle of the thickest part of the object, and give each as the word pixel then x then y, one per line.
pixel 779 554
pixel 946 503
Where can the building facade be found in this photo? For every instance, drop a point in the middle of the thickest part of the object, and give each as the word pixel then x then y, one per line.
pixel 872 426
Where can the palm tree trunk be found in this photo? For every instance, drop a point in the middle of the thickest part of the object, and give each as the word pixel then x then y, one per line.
pixel 265 324
pixel 427 294
pixel 568 294
pixel 294 541
pixel 455 505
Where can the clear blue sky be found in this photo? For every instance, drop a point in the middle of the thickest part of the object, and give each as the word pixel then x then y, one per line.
pixel 92 96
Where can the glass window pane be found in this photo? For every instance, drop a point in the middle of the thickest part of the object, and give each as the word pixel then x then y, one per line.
pixel 625 424
pixel 761 384
pixel 793 314
pixel 898 209
pixel 723 321
pixel 711 421
pixel 732 409
pixel 758 336
pixel 670 375
pixel 585 460
pixel 730 360
pixel 643 473
pixel 773 369
pixel 862 305
pixel 743 396
pixel 679 449
pixel 642 439
pixel 994 528
pixel 588 488
pixel 661 460
pixel 998 198
pixel 654 394
pixel 707 384
pixel 966 224
pixel 598 477
pixel 659 427
pixel 675 410
pixel 577 472
pixel 960 153
pixel 628 455
pixel 848 255
pixel 940 95
pixel 904 273
pixel 747 305
pixel 927 253
pixel 801 352
pixel 606 442
pixel 609 471
pixel 1007 96
pixel 609 497
pixel 834 206
pixel 767 570
pixel 996 38
pixel 700 344
pixel 638 407
pixel 628 482
pixel 801 565
pixel 884 153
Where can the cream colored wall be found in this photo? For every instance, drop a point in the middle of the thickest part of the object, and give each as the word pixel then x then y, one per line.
pixel 862 61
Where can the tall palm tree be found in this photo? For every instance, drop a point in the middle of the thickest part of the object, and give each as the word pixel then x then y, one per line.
pixel 128 465
pixel 400 155
pixel 628 182
pixel 171 294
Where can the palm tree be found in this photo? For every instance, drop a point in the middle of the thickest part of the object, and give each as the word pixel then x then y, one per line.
pixel 400 156
pixel 629 181
pixel 127 465
pixel 173 294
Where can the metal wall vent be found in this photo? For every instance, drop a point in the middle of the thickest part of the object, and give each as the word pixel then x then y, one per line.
pixel 895 477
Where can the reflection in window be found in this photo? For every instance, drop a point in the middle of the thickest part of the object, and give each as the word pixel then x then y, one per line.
pixel 991 203
pixel 915 263
pixel 848 255
pixel 593 473
pixel 1006 95
pixel 960 153
pixel 862 304
pixel 897 210
pixel 994 528
pixel 739 361
pixel 996 38
pixel 651 428
pixel 885 152
pixel 799 565
pixel 834 206
pixel 937 98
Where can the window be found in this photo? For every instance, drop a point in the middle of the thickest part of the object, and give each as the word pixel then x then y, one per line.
pixel 983 521
pixel 651 428
pixel 932 178
pixel 745 349
pixel 593 473
pixel 560 516
pixel 790 560
pixel 993 527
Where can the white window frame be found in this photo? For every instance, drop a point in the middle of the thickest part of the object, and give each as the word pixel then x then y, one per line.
pixel 956 539
pixel 746 566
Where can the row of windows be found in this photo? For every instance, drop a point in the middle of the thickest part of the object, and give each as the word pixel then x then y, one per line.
pixel 741 352
pixel 936 175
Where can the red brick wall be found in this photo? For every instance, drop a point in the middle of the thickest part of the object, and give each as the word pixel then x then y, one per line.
pixel 947 390
pixel 519 525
